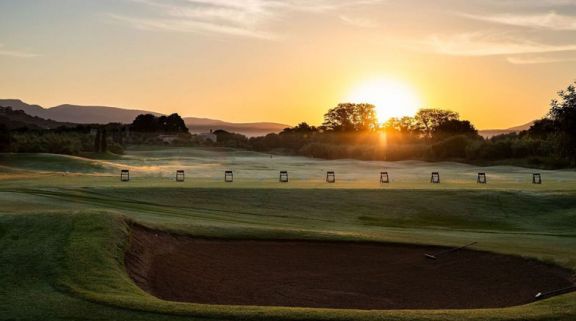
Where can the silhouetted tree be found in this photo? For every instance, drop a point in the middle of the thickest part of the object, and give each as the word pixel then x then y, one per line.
pixel 302 128
pixel 4 138
pixel 427 120
pixel 173 124
pixel 454 127
pixel 563 113
pixel 103 141
pixel 146 123
pixel 228 139
pixel 164 124
pixel 98 141
pixel 351 118
pixel 542 128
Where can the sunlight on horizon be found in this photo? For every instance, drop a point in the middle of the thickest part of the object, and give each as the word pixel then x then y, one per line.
pixel 391 98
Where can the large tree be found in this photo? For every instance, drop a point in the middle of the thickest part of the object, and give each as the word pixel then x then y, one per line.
pixel 164 124
pixel 454 127
pixel 428 120
pixel 351 118
pixel 563 113
pixel 172 124
pixel 146 123
pixel 542 128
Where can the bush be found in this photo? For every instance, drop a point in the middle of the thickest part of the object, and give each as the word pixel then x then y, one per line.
pixel 55 143
pixel 452 147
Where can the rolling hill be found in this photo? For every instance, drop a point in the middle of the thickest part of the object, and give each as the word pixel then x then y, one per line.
pixel 488 133
pixel 77 114
pixel 15 119
pixel 103 115
pixel 202 125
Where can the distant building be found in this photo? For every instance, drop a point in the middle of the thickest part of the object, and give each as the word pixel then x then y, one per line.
pixel 208 137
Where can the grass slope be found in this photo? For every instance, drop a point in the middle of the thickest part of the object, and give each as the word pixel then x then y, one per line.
pixel 62 237
pixel 67 255
pixel 36 265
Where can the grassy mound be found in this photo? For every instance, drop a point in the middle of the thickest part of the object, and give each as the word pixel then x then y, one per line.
pixel 69 266
pixel 39 267
pixel 62 237
pixel 54 163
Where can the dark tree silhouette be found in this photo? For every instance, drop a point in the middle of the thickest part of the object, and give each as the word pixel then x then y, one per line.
pixel 172 124
pixel 427 120
pixel 4 138
pixel 302 128
pixel 563 113
pixel 229 139
pixel 103 141
pixel 146 123
pixel 98 141
pixel 164 124
pixel 454 127
pixel 542 128
pixel 117 133
pixel 351 118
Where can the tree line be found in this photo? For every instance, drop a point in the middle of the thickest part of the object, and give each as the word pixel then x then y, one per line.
pixel 26 136
pixel 348 131
pixel 68 140
pixel 352 131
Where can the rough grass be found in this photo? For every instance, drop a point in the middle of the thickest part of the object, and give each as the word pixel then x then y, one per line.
pixel 62 237
pixel 34 267
pixel 70 266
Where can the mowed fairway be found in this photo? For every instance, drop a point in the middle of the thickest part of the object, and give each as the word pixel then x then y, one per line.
pixel 65 225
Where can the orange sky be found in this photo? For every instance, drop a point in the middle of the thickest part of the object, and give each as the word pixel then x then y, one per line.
pixel 497 63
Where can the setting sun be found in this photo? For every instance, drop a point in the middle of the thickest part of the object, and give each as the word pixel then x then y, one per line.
pixel 391 98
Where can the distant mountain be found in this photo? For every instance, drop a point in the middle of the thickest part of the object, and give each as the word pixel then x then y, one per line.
pixel 204 125
pixel 488 133
pixel 77 114
pixel 104 115
pixel 522 127
pixel 15 119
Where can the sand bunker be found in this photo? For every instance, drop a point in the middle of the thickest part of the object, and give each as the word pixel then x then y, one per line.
pixel 332 274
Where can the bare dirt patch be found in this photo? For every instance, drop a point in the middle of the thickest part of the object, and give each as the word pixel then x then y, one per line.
pixel 332 274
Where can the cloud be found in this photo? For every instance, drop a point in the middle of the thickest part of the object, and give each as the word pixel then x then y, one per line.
pixel 184 25
pixel 487 44
pixel 537 60
pixel 529 3
pixel 16 53
pixel 359 22
pixel 550 20
pixel 320 5
pixel 232 17
pixel 514 30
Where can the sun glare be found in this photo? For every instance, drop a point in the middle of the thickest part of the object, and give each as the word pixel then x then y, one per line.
pixel 391 98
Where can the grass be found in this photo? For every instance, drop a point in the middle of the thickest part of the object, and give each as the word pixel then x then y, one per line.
pixel 62 236
pixel 34 268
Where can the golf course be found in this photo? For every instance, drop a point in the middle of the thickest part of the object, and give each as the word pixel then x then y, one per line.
pixel 77 243
pixel 288 160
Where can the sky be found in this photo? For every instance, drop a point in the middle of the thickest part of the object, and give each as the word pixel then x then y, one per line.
pixel 496 62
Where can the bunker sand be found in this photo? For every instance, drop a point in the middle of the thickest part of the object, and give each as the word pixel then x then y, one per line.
pixel 341 275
